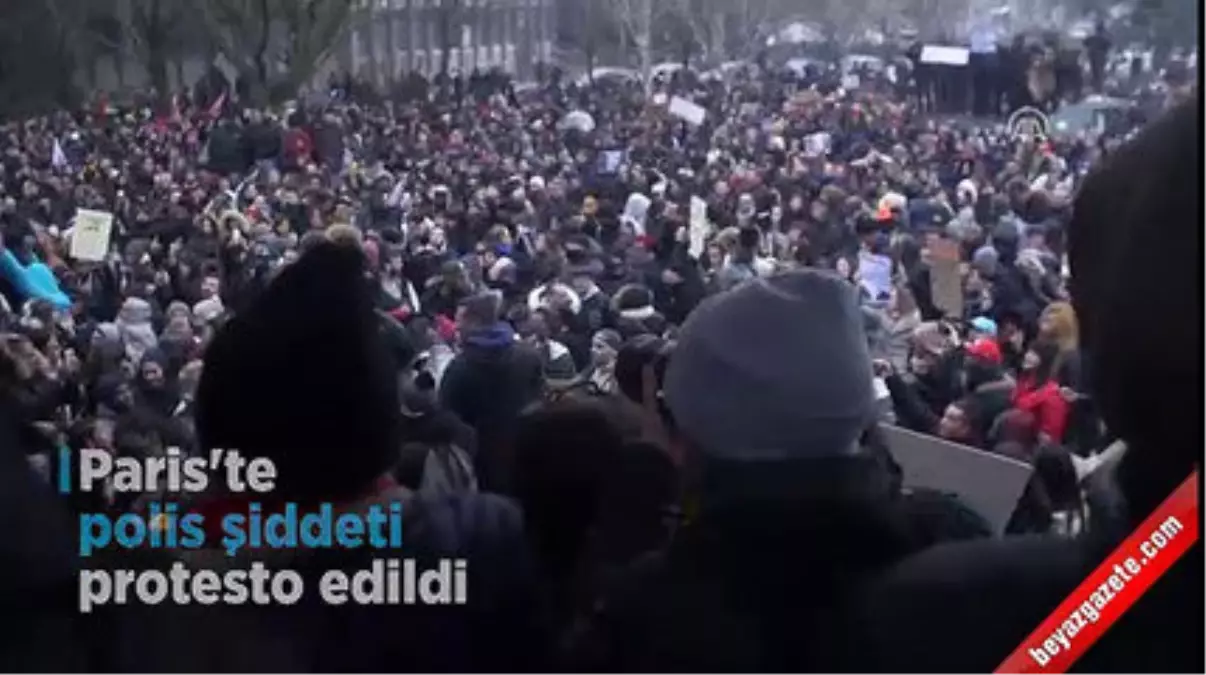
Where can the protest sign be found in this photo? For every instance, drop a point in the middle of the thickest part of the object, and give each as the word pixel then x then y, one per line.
pixel 90 236
pixel 609 162
pixel 818 144
pixel 946 283
pixel 851 81
pixel 700 228
pixel 691 113
pixel 942 55
pixel 875 274
pixel 990 484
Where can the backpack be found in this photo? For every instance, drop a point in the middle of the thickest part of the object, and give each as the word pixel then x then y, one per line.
pixel 448 469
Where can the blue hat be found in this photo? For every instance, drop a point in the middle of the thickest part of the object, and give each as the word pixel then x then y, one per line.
pixel 983 324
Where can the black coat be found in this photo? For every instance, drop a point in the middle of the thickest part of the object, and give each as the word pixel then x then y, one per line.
pixel 746 587
pixel 487 387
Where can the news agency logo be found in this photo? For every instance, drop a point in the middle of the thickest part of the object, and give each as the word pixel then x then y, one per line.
pixel 1028 123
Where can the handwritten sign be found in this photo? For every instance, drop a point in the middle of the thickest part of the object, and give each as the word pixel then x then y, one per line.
pixel 90 237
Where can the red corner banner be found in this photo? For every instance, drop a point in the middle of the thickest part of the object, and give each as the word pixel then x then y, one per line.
pixel 1112 588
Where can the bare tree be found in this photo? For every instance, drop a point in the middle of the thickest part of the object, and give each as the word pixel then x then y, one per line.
pixel 594 31
pixel 635 18
pixel 750 24
pixel 277 45
pixel 717 30
pixel 149 31
pixel 37 58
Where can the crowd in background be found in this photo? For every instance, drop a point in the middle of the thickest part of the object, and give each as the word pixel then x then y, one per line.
pixel 634 366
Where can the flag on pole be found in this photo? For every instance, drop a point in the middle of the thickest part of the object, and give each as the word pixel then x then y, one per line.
pixel 58 158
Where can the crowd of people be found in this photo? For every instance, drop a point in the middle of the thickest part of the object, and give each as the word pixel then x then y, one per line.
pixel 632 369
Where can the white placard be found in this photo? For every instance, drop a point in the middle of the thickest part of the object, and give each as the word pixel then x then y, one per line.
pixel 610 161
pixel 91 234
pixel 875 274
pixel 686 110
pixel 700 228
pixel 818 144
pixel 943 55
pixel 989 483
pixel 851 81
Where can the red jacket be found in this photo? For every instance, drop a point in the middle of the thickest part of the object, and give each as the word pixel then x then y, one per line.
pixel 1048 406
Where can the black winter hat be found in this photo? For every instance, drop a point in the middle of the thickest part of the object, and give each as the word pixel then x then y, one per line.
pixel 305 378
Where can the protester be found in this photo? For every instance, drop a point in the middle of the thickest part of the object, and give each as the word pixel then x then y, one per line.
pixel 1038 391
pixel 489 383
pixel 449 294
pixel 777 445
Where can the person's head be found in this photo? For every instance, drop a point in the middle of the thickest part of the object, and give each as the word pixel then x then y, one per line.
pixel 1057 324
pixel 604 346
pixel 1016 426
pixel 478 312
pixel 805 393
pixel 538 325
pixel 982 327
pixel 152 370
pixel 958 422
pixel 211 285
pixel 929 345
pixel 1040 361
pixel 983 363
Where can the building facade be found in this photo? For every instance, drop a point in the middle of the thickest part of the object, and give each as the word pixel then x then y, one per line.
pixel 393 38
pixel 401 36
